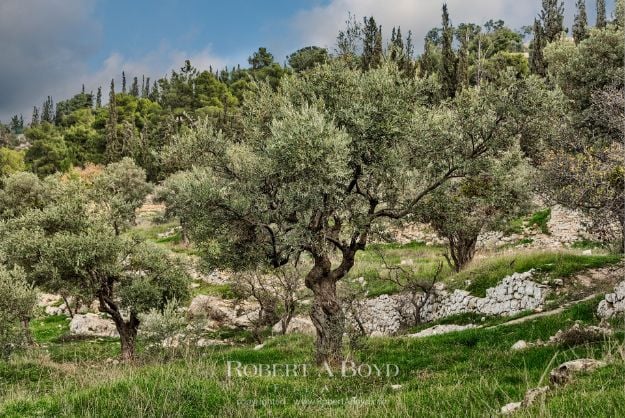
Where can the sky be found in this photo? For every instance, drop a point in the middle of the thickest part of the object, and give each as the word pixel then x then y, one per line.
pixel 52 47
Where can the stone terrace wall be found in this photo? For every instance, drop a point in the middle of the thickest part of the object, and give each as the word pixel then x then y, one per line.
pixel 385 315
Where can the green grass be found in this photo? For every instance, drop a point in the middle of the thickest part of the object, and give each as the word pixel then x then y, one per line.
pixel 49 328
pixel 488 273
pixel 540 219
pixel 224 291
pixel 469 373
pixel 585 244
pixel 370 265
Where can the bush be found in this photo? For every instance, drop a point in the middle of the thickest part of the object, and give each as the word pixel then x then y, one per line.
pixel 17 300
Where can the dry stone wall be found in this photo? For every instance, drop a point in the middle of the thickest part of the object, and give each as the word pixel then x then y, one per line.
pixel 385 315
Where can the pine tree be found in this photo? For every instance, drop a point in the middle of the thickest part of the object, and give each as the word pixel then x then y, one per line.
pixel 35 118
pixel 601 14
pixel 580 22
pixel 537 59
pixel 552 17
pixel 123 82
pixel 134 88
pixel 448 62
pixel 98 98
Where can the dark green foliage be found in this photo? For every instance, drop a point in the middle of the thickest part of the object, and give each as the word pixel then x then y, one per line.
pixel 449 78
pixel 306 58
pixel 552 18
pixel 371 44
pixel 134 87
pixel 49 152
pixel 601 14
pixel 581 22
pixel 47 111
pixel 537 59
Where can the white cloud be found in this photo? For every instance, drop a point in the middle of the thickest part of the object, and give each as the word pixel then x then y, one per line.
pixel 320 25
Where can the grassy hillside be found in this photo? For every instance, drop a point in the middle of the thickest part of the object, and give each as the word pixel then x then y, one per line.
pixel 469 373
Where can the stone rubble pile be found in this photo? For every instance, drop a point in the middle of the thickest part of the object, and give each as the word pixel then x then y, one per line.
pixel 614 303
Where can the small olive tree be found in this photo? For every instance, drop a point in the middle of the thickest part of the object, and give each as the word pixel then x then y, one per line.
pixel 121 188
pixel 325 159
pixel 70 247
pixel 173 192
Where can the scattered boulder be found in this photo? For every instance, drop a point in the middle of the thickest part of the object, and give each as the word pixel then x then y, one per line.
pixel 298 324
pixel 92 325
pixel 441 329
pixel 259 347
pixel 519 345
pixel 510 408
pixel 564 372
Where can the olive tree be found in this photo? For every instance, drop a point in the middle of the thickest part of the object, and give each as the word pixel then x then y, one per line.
pixel 68 246
pixel 463 208
pixel 323 160
pixel 20 192
pixel 121 189
pixel 585 168
pixel 174 194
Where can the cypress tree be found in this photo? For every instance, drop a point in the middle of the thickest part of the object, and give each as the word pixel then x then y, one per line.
pixel 111 125
pixel 537 59
pixel 147 88
pixel 601 14
pixel 143 85
pixel 154 94
pixel 580 22
pixel 35 118
pixel 552 17
pixel 372 44
pixel 378 50
pixel 123 82
pixel 448 62
pixel 47 110
pixel 98 98
pixel 463 59
pixel 134 88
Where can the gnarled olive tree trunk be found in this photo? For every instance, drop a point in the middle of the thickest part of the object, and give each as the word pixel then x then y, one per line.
pixel 127 329
pixel 327 313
